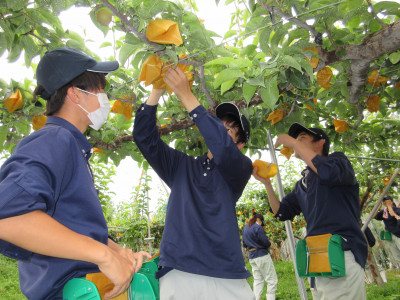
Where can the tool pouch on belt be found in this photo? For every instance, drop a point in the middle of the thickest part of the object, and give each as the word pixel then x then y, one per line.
pixel 385 235
pixel 95 285
pixel 320 256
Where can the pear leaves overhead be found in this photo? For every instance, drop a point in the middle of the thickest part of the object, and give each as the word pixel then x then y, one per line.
pixel 333 64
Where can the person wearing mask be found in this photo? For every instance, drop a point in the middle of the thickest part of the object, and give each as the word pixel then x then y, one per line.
pixel 256 241
pixel 51 218
pixel 328 197
pixel 200 251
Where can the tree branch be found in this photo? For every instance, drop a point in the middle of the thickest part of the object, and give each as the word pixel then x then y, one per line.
pixel 129 25
pixel 360 110
pixel 290 18
pixel 375 15
pixel 330 36
pixel 204 87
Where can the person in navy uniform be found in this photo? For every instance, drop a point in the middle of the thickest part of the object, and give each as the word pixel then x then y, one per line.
pixel 262 266
pixel 328 197
pixel 390 216
pixel 51 218
pixel 200 251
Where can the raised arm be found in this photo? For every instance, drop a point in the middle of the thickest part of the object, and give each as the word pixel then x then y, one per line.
pixel 273 200
pixel 302 151
pixel 155 96
pixel 179 84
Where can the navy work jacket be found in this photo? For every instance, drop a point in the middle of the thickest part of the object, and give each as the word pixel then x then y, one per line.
pixel 49 171
pixel 329 202
pixel 391 223
pixel 201 234
pixel 254 237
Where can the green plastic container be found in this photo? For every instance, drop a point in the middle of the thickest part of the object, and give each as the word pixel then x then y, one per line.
pixel 335 254
pixel 385 235
pixel 144 285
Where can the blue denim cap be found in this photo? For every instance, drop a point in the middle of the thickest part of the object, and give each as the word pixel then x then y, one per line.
pixel 60 66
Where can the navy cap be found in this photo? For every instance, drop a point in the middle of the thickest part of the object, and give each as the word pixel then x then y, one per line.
pixel 387 197
pixel 297 128
pixel 260 216
pixel 60 66
pixel 230 108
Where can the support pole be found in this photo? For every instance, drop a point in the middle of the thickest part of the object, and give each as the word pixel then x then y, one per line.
pixel 396 172
pixel 288 224
pixel 149 238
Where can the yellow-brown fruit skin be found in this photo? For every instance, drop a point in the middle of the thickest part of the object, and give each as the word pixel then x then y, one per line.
pixel 265 169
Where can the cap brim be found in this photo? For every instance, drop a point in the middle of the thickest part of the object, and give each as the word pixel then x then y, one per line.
pixel 298 128
pixel 104 67
pixel 231 109
pixel 227 108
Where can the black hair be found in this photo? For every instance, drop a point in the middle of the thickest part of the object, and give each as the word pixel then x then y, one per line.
pixel 316 138
pixel 91 81
pixel 235 123
pixel 253 219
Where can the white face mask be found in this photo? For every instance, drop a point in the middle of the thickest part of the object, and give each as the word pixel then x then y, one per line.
pixel 100 115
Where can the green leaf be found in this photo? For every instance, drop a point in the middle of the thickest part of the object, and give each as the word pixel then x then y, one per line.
pixel 126 51
pixel 240 63
pixel 387 6
pixel 16 4
pixel 133 39
pixel 172 55
pixel 221 61
pixel 258 81
pixel 307 67
pixel 374 26
pixel 14 53
pixel 105 44
pixel 270 93
pixel 394 57
pixel 23 26
pixel 342 52
pixel 345 91
pixel 264 40
pixel 287 60
pixel 298 79
pixel 74 44
pixel 58 5
pixel 255 24
pixel 249 50
pixel 3 43
pixel 226 75
pixel 31 49
pixel 350 5
pixel 229 33
pixel 3 133
pixel 227 85
pixel 248 91
pixel 75 36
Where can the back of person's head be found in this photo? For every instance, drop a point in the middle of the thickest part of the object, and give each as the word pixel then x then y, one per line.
pixel 62 68
pixel 254 218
